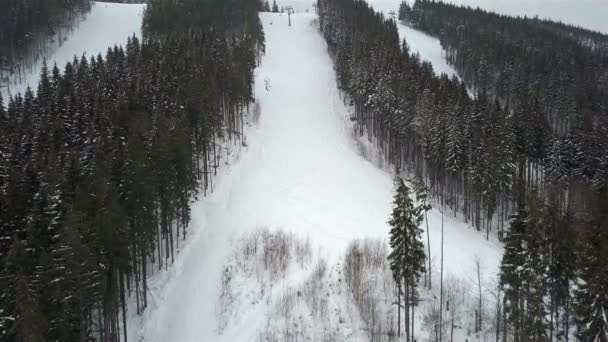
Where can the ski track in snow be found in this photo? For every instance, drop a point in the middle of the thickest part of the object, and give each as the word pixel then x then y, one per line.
pixel 106 25
pixel 301 172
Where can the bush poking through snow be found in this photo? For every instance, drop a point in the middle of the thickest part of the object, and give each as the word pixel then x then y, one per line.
pixel 370 281
pixel 267 254
pixel 276 276
pixel 265 257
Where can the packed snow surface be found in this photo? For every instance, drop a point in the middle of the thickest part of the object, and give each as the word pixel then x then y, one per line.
pixel 107 24
pixel 303 172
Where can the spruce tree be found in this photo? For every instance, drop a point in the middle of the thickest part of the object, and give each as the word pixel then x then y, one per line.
pixel 97 168
pixel 422 193
pixel 2 110
pixel 404 11
pixel 512 275
pixel 407 256
pixel 592 288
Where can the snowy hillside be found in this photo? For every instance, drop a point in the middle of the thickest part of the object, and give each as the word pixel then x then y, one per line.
pixel 590 14
pixel 305 177
pixel 426 46
pixel 107 24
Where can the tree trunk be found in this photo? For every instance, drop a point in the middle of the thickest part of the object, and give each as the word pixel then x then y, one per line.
pixel 428 244
pixel 413 318
pixel 407 310
pixel 452 329
pixel 479 285
pixel 441 285
pixel 398 310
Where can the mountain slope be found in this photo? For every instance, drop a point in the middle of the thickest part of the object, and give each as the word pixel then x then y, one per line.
pixel 302 172
pixel 107 24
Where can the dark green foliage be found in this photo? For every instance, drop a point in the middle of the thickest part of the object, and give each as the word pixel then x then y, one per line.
pixel 404 11
pixel 591 294
pixel 495 154
pixel 523 273
pixel 407 257
pixel 98 168
pixel 463 148
pixel 551 277
pixel 550 75
pixel 523 59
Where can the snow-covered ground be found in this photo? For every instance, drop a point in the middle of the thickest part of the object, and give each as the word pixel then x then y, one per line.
pixel 107 24
pixel 590 14
pixel 428 47
pixel 302 173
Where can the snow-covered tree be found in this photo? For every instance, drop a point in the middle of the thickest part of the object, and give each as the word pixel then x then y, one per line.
pixel 407 257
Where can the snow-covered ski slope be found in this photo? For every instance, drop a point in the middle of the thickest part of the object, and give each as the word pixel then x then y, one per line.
pixel 428 47
pixel 590 14
pixel 107 24
pixel 302 172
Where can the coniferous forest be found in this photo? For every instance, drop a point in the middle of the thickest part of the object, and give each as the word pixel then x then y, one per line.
pixel 28 26
pixel 101 164
pixel 527 151
pixel 98 167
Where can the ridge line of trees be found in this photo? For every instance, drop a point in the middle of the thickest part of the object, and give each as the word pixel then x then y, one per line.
pixel 552 77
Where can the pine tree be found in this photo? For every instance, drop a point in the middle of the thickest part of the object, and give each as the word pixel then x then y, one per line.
pixel 592 287
pixel 512 273
pixel 407 256
pixel 422 192
pixel 2 110
pixel 97 168
pixel 404 11
pixel 275 7
pixel 266 6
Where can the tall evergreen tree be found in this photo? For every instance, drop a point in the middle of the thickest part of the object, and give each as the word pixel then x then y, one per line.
pixel 407 258
pixel 592 287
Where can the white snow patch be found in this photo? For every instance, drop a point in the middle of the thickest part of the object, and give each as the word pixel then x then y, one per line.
pixel 107 24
